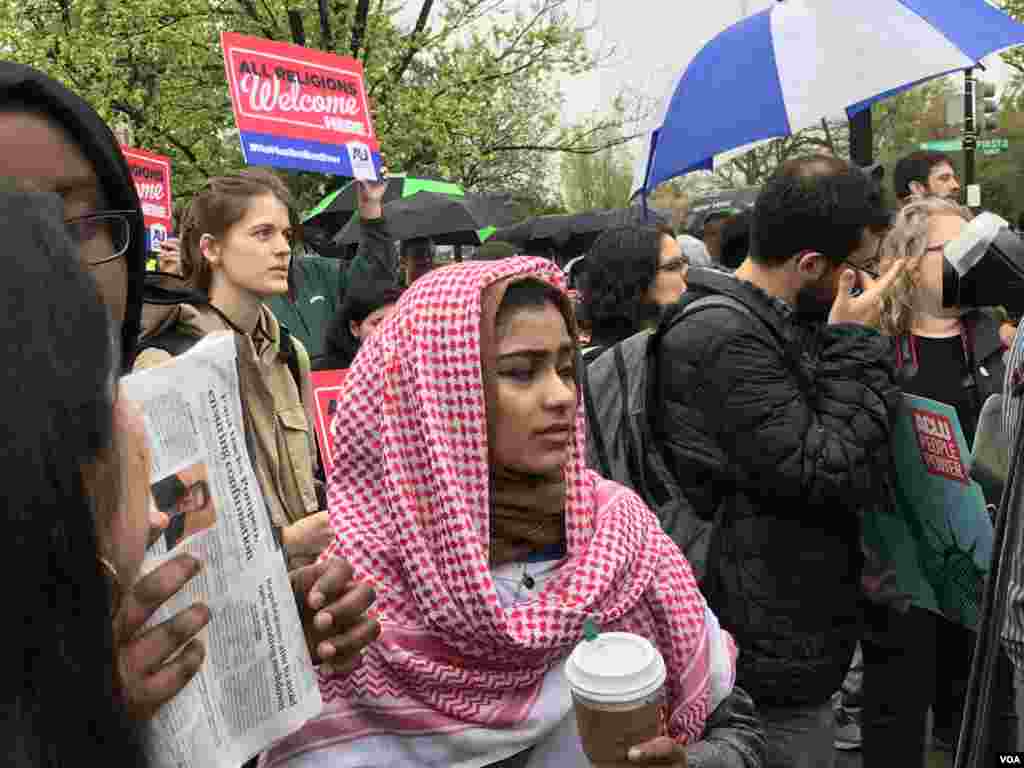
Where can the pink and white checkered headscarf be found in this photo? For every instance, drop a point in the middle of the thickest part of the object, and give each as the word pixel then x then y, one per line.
pixel 409 501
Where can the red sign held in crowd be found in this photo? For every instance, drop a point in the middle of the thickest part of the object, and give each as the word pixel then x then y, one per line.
pixel 939 451
pixel 152 176
pixel 300 108
pixel 326 393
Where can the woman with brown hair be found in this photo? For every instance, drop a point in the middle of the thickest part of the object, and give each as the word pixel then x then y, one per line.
pixel 236 251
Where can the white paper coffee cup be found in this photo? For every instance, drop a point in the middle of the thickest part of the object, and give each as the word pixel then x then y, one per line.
pixel 618 688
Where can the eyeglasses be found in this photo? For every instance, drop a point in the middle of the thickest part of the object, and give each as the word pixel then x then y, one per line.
pixel 673 265
pixel 92 233
pixel 872 273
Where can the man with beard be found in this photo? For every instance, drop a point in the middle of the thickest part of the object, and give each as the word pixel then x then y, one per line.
pixel 781 448
pixel 925 174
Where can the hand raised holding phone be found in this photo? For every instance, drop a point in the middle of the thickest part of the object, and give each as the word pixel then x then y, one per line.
pixel 864 308
pixel 371 195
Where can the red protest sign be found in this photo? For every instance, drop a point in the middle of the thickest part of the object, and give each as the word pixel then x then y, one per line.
pixel 300 108
pixel 152 176
pixel 939 450
pixel 326 394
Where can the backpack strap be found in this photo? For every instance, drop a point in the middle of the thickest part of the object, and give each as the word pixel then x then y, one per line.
pixel 595 435
pixel 173 341
pixel 634 452
pixel 296 357
pixel 705 302
pixel 721 300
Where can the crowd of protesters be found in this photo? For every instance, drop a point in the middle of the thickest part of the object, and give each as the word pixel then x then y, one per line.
pixel 446 563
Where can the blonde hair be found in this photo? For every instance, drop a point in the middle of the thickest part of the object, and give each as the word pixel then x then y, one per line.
pixel 907 239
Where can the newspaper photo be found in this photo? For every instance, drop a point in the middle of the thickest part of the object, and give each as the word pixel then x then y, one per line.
pixel 257 684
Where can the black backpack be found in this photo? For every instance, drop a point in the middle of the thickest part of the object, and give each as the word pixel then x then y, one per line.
pixel 617 387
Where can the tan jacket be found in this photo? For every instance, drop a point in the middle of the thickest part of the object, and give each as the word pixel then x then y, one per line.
pixel 276 417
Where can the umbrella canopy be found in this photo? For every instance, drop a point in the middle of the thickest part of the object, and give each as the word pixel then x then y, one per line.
pixel 334 211
pixel 319 241
pixel 728 202
pixel 445 219
pixel 784 69
pixel 573 234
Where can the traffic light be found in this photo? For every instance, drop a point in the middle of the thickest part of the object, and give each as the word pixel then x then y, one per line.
pixel 988 111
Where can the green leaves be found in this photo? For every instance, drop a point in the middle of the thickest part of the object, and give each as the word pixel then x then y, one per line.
pixel 477 101
pixel 600 179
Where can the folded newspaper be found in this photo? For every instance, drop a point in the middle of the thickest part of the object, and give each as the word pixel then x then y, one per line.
pixel 257 684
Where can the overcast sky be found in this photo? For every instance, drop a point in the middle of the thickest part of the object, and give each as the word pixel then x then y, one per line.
pixel 654 39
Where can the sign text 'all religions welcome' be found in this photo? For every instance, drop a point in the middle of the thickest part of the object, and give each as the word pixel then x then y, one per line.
pixel 300 108
pixel 152 176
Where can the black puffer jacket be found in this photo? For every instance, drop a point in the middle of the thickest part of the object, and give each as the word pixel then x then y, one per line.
pixel 783 448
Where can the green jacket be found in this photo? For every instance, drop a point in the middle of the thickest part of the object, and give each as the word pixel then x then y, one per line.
pixel 317 301
pixel 377 257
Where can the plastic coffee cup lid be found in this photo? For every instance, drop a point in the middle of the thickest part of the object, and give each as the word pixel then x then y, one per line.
pixel 616 667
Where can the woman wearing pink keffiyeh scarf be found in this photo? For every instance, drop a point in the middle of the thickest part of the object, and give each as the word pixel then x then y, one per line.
pixel 460 492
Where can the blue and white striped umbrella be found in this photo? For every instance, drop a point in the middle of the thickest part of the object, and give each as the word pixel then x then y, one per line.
pixel 786 68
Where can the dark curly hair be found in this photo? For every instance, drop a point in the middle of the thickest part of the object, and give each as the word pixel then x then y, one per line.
pixel 818 203
pixel 736 240
pixel 618 271
pixel 361 300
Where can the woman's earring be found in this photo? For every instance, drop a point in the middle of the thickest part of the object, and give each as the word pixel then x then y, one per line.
pixel 206 247
pixel 115 587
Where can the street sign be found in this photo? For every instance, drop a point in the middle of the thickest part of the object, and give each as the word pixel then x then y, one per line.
pixel 943 145
pixel 985 146
pixel 993 146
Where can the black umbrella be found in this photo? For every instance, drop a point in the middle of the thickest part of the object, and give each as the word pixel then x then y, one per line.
pixel 446 220
pixel 318 240
pixel 726 203
pixel 334 211
pixel 573 234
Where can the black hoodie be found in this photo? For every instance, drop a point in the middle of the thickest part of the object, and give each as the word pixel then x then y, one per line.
pixel 24 84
